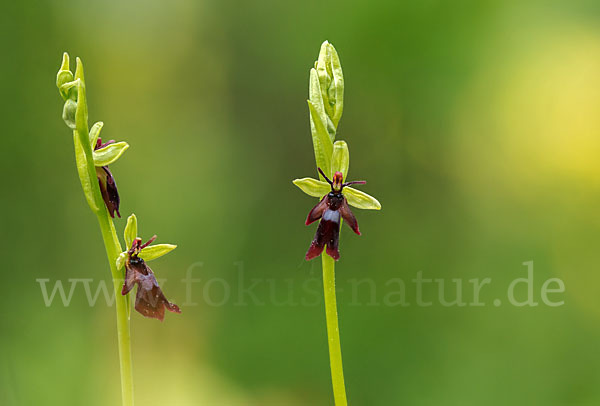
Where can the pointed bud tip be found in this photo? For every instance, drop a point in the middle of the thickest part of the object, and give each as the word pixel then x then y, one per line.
pixel 65 62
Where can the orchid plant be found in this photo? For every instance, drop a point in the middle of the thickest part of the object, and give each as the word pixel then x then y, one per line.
pixel 326 103
pixel 128 267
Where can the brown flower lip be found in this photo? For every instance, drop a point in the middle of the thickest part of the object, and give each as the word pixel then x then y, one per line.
pixel 108 186
pixel 331 209
pixel 149 300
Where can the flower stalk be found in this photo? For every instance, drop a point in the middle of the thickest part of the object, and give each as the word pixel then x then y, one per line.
pixel 333 332
pixel 325 104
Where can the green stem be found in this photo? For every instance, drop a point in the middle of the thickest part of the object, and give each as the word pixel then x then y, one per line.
pixel 333 333
pixel 113 249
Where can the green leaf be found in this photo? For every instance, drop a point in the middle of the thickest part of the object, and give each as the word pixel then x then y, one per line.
pixel 316 97
pixel 131 231
pixel 95 133
pixel 341 158
pixel 154 251
pixel 322 143
pixel 109 154
pixel 79 70
pixel 360 199
pixel 313 187
pixel 82 170
pixel 81 115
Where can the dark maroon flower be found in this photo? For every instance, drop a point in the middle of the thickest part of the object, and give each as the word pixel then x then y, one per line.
pixel 149 299
pixel 108 186
pixel 330 209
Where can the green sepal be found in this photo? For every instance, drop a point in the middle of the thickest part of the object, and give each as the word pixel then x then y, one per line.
pixel 95 133
pixel 340 160
pixel 322 144
pixel 312 187
pixel 131 230
pixel 360 199
pixel 63 76
pixel 82 170
pixel 147 254
pixel 109 154
pixel 155 251
pixel 120 262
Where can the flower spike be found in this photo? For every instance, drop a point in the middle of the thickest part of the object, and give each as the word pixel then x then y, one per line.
pixel 326 98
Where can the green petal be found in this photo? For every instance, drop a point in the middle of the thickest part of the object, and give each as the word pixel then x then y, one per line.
pixel 313 187
pixel 95 133
pixel 131 230
pixel 154 251
pixel 360 199
pixel 109 154
pixel 341 158
pixel 322 143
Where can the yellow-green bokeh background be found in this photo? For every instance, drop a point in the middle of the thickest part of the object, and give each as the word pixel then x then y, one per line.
pixel 476 124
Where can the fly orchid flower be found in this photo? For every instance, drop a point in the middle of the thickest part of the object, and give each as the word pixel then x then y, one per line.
pixel 331 209
pixel 108 186
pixel 150 301
pixel 336 199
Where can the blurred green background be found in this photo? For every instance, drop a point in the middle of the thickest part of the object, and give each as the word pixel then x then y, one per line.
pixel 476 124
